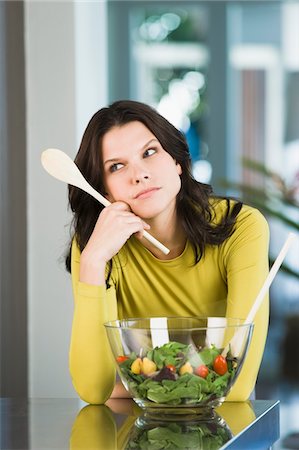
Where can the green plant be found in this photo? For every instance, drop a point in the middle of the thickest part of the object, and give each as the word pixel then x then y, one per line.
pixel 275 198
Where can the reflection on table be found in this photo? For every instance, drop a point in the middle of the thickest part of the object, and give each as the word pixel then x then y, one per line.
pixel 45 423
pixel 122 425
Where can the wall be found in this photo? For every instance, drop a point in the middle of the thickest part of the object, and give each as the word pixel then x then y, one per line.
pixel 13 255
pixel 65 85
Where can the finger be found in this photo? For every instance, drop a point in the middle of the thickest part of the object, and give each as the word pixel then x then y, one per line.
pixel 139 234
pixel 121 206
pixel 146 226
pixel 125 214
pixel 132 219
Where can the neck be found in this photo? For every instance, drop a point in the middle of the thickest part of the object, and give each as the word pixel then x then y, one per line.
pixel 169 231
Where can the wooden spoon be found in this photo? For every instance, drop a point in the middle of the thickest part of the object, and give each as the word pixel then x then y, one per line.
pixel 61 166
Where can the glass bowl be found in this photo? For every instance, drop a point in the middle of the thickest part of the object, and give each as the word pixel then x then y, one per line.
pixel 179 365
pixel 191 434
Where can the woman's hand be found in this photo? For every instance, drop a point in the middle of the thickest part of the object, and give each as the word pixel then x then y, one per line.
pixel 115 225
pixel 119 391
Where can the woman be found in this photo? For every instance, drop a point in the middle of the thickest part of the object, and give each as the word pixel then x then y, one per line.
pixel 218 256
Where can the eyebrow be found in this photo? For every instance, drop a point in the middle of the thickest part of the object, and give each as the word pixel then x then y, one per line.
pixel 142 148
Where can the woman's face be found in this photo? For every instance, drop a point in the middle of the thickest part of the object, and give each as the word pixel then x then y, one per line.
pixel 138 171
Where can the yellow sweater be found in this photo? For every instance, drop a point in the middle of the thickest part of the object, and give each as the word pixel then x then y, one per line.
pixel 225 282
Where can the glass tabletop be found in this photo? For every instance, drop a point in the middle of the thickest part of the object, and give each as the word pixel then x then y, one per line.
pixel 120 424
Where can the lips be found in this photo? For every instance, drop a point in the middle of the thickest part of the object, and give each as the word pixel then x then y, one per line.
pixel 146 193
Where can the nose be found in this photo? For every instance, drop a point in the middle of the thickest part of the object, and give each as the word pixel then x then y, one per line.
pixel 139 174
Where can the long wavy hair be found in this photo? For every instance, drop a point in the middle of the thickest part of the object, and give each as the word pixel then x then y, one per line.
pixel 194 206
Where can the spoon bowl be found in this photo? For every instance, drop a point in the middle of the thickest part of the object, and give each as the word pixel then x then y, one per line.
pixel 61 166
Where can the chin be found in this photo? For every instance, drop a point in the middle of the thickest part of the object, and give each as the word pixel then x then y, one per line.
pixel 151 209
pixel 148 213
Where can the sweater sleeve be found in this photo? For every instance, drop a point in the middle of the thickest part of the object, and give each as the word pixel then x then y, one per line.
pixel 91 363
pixel 246 261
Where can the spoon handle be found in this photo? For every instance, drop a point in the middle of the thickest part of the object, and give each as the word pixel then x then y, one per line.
pixel 155 242
pixel 90 190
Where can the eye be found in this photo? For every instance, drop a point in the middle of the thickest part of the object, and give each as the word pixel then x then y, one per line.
pixel 115 167
pixel 149 152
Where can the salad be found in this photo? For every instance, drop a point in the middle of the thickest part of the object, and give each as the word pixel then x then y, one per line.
pixel 177 374
pixel 180 436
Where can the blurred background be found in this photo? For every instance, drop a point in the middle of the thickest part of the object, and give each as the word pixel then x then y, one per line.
pixel 225 72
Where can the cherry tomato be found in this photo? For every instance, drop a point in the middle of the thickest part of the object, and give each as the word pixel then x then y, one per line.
pixel 220 365
pixel 202 371
pixel 121 359
pixel 171 367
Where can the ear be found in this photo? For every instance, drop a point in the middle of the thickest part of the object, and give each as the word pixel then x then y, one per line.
pixel 179 168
